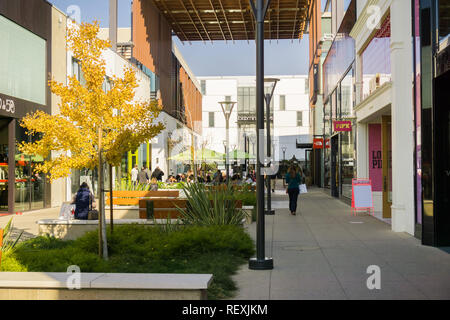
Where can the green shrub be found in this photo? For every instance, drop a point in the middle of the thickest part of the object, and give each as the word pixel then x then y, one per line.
pixel 7 242
pixel 210 206
pixel 219 250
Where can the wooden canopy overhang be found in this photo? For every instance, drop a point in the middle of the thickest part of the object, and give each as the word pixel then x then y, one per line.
pixel 208 20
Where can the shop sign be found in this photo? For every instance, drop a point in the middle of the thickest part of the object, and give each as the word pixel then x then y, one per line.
pixel 7 105
pixel 327 144
pixel 318 143
pixel 251 118
pixel 342 126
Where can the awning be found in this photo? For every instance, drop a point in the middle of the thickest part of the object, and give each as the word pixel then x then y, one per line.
pixel 208 20
pixel 201 155
pixel 238 154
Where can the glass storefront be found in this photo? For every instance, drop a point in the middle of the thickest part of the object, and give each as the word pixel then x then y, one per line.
pixel 444 22
pixel 327 151
pixel 29 193
pixel 340 157
pixel 4 164
pixel 29 185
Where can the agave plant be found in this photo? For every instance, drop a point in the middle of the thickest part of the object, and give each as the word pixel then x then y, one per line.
pixel 210 207
pixel 8 243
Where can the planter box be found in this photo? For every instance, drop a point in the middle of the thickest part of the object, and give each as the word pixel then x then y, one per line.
pixel 73 229
pixel 103 286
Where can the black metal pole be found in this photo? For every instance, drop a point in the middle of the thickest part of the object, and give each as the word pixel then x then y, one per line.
pixel 269 210
pixel 261 262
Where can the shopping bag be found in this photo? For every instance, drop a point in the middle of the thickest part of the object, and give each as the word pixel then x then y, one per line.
pixel 303 188
pixel 66 211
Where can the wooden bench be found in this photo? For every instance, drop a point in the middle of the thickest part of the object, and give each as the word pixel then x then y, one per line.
pixel 1 244
pixel 131 198
pixel 162 208
pixel 103 286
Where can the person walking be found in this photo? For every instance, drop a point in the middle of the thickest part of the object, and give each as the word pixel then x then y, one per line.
pixel 134 175
pixel 83 200
pixel 293 179
pixel 143 177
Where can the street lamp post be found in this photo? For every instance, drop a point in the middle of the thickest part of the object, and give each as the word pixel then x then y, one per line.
pixel 227 108
pixel 283 148
pixel 261 262
pixel 268 98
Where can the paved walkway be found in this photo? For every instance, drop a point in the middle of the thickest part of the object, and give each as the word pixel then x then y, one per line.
pixel 26 222
pixel 323 253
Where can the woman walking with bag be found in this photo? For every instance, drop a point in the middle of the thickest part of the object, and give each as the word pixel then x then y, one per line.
pixel 293 179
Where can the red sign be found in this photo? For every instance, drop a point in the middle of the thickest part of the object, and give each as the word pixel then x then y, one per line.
pixel 318 143
pixel 340 126
pixel 327 144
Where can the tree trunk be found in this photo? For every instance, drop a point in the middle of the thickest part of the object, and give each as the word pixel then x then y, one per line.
pixel 111 198
pixel 103 246
pixel 194 167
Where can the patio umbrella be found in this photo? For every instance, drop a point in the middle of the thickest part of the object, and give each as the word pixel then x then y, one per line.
pixel 208 155
pixel 201 155
pixel 182 156
pixel 238 154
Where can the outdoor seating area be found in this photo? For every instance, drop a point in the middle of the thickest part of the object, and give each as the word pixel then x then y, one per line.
pixel 132 198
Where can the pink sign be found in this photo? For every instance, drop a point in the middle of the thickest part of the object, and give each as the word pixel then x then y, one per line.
pixel 375 157
pixel 340 126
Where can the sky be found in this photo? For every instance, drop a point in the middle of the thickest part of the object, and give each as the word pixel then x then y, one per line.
pixel 206 59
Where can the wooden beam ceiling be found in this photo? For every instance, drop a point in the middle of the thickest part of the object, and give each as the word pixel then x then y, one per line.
pixel 208 20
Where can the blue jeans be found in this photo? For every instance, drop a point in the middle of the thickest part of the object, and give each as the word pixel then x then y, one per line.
pixel 293 196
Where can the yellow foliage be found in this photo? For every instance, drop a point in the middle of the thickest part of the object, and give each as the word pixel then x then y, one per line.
pixel 86 109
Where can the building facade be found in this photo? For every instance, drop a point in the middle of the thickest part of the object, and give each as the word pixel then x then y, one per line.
pixel 25 61
pixel 431 52
pixel 320 39
pixel 290 120
pixel 385 73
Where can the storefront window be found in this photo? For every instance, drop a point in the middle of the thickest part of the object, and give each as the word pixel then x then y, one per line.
pixel 29 185
pixel 22 63
pixel 376 59
pixel 339 58
pixel 444 21
pixel 4 164
pixel 347 162
pixel 327 131
pixel 347 95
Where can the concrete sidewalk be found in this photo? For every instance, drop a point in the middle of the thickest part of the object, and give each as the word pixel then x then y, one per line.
pixel 26 222
pixel 323 253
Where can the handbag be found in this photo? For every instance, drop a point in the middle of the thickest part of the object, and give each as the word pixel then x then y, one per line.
pixel 92 213
pixel 303 189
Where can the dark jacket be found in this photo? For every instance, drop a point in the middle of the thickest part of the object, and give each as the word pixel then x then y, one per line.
pixel 142 176
pixel 293 183
pixel 83 201
pixel 157 174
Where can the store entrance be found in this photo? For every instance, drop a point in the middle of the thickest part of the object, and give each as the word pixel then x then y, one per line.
pixel 335 166
pixel 4 164
pixel 386 165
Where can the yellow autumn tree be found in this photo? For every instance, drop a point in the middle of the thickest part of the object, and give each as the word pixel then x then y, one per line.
pixel 94 125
